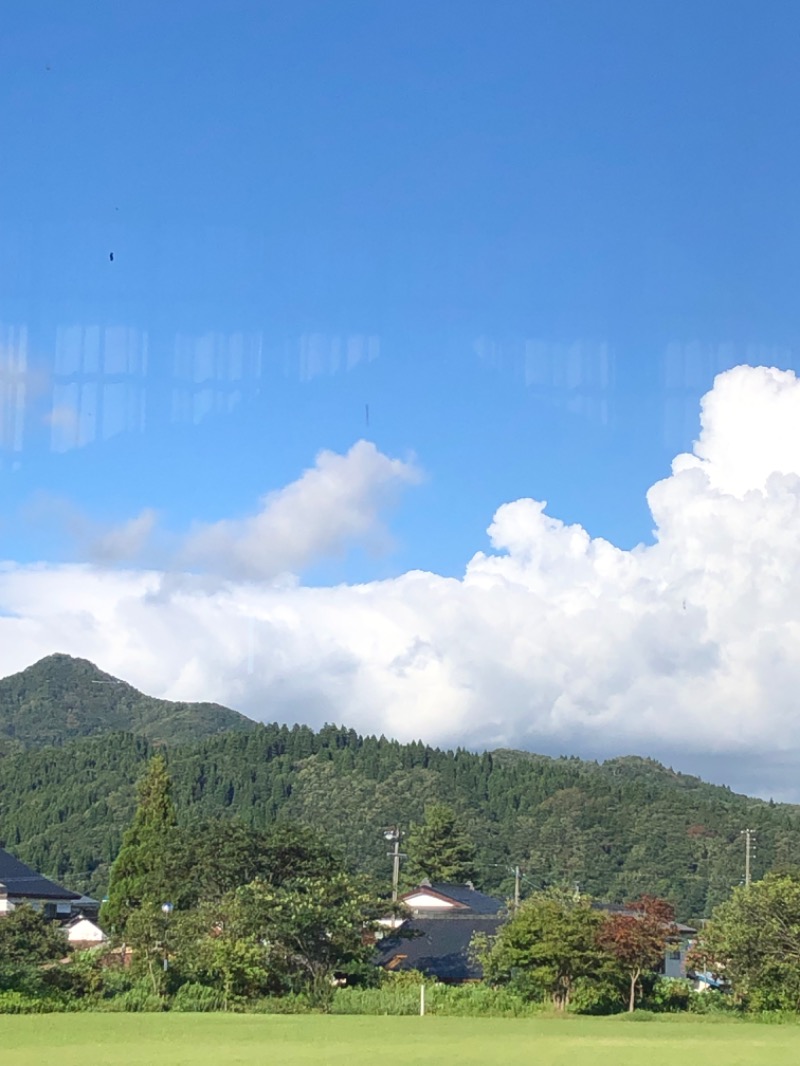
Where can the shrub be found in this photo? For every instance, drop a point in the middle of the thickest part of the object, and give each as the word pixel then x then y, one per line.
pixel 197 998
pixel 712 1002
pixel 290 1004
pixel 137 998
pixel 597 996
pixel 14 1002
pixel 403 998
pixel 670 995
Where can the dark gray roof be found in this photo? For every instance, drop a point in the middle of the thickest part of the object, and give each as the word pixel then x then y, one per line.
pixel 478 902
pixel 22 882
pixel 438 948
pixel 622 908
pixel 88 903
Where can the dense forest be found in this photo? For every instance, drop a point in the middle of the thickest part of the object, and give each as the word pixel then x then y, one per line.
pixel 617 829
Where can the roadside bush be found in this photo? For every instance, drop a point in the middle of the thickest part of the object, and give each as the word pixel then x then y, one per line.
pixel 289 1004
pixel 669 995
pixel 13 1002
pixel 402 1000
pixel 193 997
pixel 477 1001
pixel 597 996
pixel 474 1001
pixel 137 998
pixel 712 1002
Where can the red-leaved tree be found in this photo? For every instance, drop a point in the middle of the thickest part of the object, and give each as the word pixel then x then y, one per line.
pixel 637 938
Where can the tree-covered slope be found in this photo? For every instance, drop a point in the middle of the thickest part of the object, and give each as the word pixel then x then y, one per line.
pixel 61 698
pixel 617 829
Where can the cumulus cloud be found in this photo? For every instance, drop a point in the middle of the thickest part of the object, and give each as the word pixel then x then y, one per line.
pixel 687 649
pixel 335 503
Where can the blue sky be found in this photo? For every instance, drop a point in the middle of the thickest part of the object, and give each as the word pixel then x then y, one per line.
pixel 620 175
pixel 526 235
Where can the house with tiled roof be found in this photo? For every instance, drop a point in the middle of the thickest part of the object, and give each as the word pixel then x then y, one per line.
pixel 20 884
pixel 435 939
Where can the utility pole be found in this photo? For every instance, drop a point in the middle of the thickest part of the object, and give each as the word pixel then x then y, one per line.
pixel 518 875
pixel 392 835
pixel 749 837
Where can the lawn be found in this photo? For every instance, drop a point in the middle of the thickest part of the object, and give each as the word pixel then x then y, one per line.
pixel 203 1039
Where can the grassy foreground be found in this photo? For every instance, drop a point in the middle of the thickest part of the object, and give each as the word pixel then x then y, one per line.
pixel 203 1039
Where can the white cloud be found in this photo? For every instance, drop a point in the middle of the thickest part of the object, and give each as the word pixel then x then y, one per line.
pixel 688 649
pixel 335 503
pixel 125 541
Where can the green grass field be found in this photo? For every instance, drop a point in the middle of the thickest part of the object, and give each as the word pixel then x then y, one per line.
pixel 224 1040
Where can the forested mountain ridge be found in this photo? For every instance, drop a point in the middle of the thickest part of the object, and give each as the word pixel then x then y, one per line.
pixel 61 698
pixel 617 829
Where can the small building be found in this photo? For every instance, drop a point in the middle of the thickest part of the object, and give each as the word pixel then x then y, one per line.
pixel 86 906
pixel 448 900
pixel 677 948
pixel 82 932
pixel 20 884
pixel 436 939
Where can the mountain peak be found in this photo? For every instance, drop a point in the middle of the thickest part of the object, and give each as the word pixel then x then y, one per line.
pixel 61 698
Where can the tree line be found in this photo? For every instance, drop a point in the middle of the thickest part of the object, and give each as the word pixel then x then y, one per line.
pixel 222 915
pixel 618 829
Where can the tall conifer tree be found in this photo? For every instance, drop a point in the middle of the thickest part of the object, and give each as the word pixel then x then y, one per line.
pixel 140 874
pixel 439 849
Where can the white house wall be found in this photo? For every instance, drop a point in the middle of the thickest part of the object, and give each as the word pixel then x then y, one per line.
pixel 423 900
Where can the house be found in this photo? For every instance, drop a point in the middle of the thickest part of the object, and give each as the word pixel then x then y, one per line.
pixel 446 900
pixel 677 948
pixel 82 932
pixel 20 884
pixel 86 906
pixel 436 938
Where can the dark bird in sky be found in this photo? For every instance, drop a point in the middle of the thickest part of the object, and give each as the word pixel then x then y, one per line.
pixel 111 257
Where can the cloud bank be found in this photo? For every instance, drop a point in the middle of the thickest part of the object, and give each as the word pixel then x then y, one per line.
pixel 687 649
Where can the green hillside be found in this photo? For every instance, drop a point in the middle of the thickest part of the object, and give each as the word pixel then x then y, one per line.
pixel 617 829
pixel 61 698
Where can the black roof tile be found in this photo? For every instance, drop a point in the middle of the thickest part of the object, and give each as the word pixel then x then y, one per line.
pixel 21 880
pixel 478 902
pixel 436 947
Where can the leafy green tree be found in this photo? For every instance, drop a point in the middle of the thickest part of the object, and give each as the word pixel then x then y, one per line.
pixel 28 940
pixel 217 946
pixel 439 849
pixel 753 941
pixel 212 858
pixel 546 948
pixel 28 943
pixel 148 931
pixel 282 938
pixel 637 940
pixel 143 870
